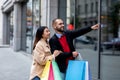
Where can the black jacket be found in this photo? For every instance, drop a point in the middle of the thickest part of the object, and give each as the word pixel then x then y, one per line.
pixel 55 45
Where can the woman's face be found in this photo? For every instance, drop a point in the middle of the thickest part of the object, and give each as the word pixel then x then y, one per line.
pixel 46 33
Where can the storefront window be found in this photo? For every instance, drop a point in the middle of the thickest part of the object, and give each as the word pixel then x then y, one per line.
pixel 33 22
pixel 82 13
pixel 110 39
pixel 11 28
pixel 70 14
pixel 29 28
pixel 36 16
pixel 85 13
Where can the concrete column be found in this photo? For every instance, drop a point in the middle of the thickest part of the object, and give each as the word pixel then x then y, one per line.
pixel 52 13
pixel 6 34
pixel 17 27
pixel 62 7
pixel 44 12
pixel 49 11
pixel 24 25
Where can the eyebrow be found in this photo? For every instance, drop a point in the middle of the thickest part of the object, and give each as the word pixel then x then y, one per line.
pixel 61 23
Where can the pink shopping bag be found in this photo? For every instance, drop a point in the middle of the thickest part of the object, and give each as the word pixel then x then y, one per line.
pixel 51 73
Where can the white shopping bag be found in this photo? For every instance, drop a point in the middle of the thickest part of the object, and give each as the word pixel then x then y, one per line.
pixel 79 57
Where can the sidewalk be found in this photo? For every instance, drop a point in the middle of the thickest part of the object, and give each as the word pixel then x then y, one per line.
pixel 14 65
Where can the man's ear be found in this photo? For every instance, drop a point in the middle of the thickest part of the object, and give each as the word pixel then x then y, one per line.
pixel 54 26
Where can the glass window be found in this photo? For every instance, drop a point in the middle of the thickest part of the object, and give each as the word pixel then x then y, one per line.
pixel 86 8
pixel 70 14
pixel 84 44
pixel 87 44
pixel 79 8
pixel 33 22
pixel 29 27
pixel 36 16
pixel 11 28
pixel 92 7
pixel 96 7
pixel 110 39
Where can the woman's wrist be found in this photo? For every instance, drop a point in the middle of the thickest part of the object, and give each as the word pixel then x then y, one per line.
pixel 53 56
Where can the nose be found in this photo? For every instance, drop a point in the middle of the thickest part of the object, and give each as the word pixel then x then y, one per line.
pixel 62 24
pixel 49 32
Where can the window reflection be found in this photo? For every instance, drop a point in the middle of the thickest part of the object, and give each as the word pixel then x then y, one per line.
pixel 11 27
pixel 33 22
pixel 29 27
pixel 36 16
pixel 85 13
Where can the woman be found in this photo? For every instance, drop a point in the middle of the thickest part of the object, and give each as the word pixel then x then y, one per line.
pixel 41 53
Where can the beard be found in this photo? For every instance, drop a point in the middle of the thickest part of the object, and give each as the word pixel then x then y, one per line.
pixel 60 30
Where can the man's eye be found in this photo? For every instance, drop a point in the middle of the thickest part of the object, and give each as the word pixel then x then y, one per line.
pixel 61 23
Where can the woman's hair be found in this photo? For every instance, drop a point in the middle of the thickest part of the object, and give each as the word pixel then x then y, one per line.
pixel 39 34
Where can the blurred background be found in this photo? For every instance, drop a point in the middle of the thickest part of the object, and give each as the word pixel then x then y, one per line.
pixel 19 20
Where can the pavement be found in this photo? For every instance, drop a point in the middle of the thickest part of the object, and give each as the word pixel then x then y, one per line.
pixel 16 65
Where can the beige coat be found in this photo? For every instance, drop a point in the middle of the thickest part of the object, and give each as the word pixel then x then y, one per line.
pixel 41 54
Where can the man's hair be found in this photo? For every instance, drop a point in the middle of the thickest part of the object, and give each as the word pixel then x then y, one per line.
pixel 54 20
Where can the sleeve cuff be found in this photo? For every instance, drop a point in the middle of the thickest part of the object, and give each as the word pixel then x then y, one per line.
pixel 53 56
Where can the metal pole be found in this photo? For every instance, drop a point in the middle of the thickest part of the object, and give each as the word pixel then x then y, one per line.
pixel 74 21
pixel 75 15
pixel 99 39
pixel 39 12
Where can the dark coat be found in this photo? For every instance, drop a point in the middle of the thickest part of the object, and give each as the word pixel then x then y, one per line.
pixel 70 36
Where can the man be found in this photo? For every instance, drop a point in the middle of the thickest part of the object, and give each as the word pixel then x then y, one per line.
pixel 63 41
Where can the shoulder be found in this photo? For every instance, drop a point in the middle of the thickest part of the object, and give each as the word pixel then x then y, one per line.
pixel 54 37
pixel 53 40
pixel 40 43
pixel 68 32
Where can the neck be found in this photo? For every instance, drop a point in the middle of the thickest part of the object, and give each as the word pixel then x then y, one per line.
pixel 44 39
pixel 59 32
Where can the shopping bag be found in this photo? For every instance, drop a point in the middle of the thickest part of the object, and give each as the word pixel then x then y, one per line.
pixel 57 75
pixel 79 57
pixel 77 70
pixel 87 72
pixel 45 74
pixel 51 73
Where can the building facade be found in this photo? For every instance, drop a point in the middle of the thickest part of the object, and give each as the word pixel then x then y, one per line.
pixel 21 18
pixel 1 20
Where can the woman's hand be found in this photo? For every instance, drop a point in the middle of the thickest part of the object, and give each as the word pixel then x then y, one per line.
pixel 57 52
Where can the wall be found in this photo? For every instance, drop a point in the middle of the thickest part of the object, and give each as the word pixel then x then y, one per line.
pixel 1 21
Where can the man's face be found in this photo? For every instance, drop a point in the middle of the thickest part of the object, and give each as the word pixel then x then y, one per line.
pixel 59 25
